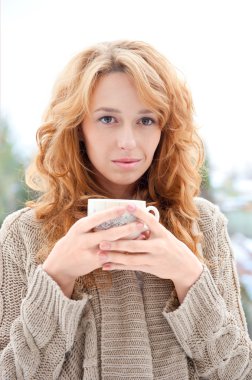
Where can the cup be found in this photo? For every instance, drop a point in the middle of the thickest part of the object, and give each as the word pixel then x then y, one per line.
pixel 96 205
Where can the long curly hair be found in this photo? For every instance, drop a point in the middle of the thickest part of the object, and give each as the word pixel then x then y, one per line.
pixel 62 173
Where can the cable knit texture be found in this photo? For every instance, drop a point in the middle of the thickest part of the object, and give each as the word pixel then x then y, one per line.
pixel 136 329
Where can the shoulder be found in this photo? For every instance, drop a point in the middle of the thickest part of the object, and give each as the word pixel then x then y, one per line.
pixel 205 207
pixel 19 222
pixel 20 238
pixel 210 214
pixel 213 225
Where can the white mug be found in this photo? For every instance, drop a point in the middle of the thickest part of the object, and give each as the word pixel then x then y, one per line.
pixel 96 205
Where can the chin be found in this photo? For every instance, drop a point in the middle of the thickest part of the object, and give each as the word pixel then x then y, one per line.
pixel 128 181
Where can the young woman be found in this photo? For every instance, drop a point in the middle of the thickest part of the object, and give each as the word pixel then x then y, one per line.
pixel 79 304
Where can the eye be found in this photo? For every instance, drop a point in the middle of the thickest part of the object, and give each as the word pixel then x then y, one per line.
pixel 107 119
pixel 147 121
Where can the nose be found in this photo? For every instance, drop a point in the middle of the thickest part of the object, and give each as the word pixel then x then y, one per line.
pixel 126 139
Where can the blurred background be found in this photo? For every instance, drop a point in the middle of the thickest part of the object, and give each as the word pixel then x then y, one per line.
pixel 208 42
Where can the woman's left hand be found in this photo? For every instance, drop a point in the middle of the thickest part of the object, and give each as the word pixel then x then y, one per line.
pixel 162 255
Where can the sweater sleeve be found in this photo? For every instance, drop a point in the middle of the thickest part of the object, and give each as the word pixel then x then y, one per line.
pixel 210 324
pixel 38 323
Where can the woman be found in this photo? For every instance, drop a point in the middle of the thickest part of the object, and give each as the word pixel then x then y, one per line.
pixel 79 304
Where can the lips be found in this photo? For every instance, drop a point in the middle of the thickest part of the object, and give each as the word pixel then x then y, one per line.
pixel 127 160
pixel 127 163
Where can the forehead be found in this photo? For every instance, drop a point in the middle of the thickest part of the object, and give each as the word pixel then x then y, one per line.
pixel 118 91
pixel 114 86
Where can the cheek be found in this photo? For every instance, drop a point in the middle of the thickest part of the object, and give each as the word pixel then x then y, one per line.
pixel 158 137
pixel 98 151
pixel 154 141
pixel 94 141
pixel 94 152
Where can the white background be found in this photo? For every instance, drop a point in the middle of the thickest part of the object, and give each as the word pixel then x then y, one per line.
pixel 208 41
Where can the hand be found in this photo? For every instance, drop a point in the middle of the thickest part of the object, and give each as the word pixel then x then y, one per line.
pixel 76 253
pixel 162 255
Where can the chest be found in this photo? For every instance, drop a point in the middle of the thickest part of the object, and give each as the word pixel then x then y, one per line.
pixel 126 334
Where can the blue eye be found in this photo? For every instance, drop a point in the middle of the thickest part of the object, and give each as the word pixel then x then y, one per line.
pixel 107 119
pixel 147 121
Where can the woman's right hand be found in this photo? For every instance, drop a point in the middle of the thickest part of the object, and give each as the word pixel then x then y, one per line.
pixel 76 253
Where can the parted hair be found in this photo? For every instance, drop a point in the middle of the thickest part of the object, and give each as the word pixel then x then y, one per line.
pixel 62 173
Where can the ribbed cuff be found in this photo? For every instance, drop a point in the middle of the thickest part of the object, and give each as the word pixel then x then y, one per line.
pixel 46 309
pixel 200 314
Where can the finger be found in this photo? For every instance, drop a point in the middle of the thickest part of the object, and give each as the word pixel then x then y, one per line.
pixel 89 222
pixel 124 258
pixel 145 235
pixel 113 266
pixel 127 245
pixel 115 233
pixel 142 236
pixel 120 232
pixel 146 217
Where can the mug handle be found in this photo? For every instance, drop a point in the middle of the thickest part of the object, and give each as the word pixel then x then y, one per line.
pixel 155 210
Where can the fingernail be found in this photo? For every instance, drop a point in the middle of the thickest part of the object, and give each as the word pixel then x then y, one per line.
pixel 103 257
pixel 131 207
pixel 102 253
pixel 106 267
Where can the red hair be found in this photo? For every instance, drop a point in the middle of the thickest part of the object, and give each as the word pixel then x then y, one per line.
pixel 61 171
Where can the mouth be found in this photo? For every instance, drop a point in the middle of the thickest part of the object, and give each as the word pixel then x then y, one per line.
pixel 127 162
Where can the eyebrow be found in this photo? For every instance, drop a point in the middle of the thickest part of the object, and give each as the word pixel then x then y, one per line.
pixel 108 109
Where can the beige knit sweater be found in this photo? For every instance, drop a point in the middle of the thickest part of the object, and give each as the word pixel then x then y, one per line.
pixel 125 332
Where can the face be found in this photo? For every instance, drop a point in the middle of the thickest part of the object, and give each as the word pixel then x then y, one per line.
pixel 120 134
